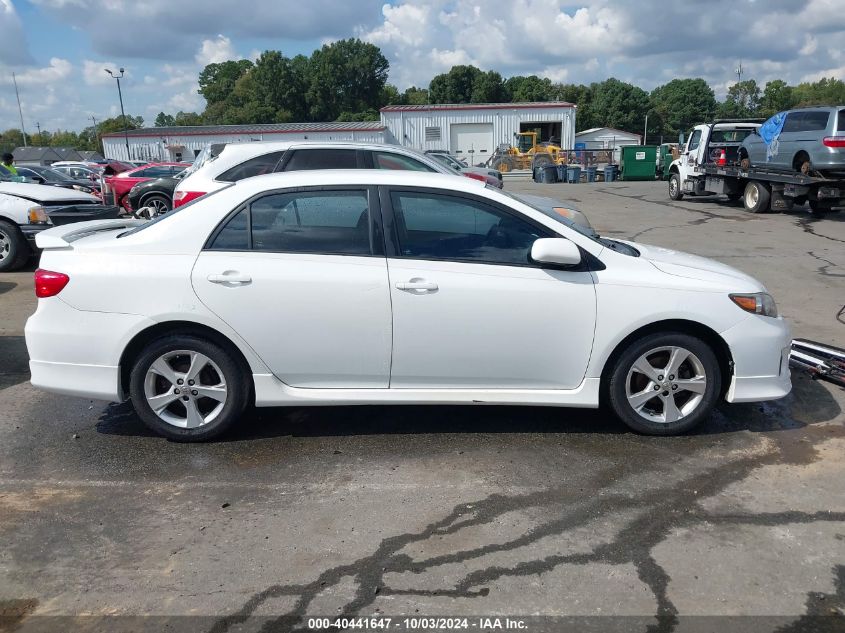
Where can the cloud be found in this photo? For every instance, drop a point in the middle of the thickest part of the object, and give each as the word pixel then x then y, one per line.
pixel 13 44
pixel 214 51
pixel 58 70
pixel 170 29
pixel 94 73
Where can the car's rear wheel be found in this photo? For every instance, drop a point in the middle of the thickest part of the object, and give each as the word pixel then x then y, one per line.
pixel 675 192
pixel 14 250
pixel 665 384
pixel 158 203
pixel 187 388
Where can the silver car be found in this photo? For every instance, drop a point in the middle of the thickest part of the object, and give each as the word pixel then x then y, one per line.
pixel 812 140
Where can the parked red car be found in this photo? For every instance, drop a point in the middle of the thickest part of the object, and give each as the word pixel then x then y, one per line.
pixel 122 183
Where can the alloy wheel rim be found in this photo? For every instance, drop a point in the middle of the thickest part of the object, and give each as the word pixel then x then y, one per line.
pixel 666 384
pixel 752 196
pixel 5 245
pixel 673 186
pixel 159 206
pixel 185 389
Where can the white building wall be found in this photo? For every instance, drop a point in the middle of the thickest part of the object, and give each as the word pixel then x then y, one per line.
pixel 161 147
pixel 407 127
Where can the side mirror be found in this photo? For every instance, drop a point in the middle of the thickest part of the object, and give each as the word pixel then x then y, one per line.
pixel 555 250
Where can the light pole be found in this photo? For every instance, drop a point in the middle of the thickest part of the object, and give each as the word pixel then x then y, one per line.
pixel 122 113
pixel 96 136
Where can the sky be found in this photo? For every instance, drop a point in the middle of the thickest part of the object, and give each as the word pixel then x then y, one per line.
pixel 60 48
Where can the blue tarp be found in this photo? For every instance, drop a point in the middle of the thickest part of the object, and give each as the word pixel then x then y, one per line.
pixel 770 131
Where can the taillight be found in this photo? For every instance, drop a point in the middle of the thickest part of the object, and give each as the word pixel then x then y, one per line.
pixel 474 176
pixel 49 283
pixel 834 141
pixel 184 197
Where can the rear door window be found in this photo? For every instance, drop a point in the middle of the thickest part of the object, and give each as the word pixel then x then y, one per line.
pixel 389 160
pixel 258 166
pixel 306 159
pixel 318 222
pixel 814 121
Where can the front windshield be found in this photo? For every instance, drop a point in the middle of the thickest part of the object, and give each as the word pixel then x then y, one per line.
pixel 52 174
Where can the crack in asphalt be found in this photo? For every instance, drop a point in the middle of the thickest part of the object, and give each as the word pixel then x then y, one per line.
pixel 709 215
pixel 823 270
pixel 658 511
pixel 806 223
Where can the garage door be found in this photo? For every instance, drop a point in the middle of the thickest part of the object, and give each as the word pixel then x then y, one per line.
pixel 472 142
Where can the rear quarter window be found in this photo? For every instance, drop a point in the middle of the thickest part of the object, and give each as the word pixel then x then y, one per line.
pixel 840 127
pixel 258 166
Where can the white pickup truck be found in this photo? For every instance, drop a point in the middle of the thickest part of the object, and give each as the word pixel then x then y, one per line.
pixel 709 165
pixel 25 211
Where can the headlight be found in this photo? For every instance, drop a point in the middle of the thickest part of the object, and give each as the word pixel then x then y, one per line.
pixel 757 303
pixel 81 188
pixel 37 215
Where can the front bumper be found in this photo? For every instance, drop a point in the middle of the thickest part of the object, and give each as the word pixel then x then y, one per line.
pixel 31 230
pixel 760 349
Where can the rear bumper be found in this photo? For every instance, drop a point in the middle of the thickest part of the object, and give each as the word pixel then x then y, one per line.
pixel 77 353
pixel 760 348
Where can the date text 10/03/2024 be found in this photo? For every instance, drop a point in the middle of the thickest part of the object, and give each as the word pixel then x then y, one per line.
pixel 417 624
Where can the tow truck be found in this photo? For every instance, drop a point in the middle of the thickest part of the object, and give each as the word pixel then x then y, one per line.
pixel 709 165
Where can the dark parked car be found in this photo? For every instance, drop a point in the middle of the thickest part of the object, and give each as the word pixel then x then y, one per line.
pixel 156 193
pixel 47 176
pixel 809 140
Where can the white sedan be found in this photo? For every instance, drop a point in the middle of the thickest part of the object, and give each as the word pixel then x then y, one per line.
pixel 365 287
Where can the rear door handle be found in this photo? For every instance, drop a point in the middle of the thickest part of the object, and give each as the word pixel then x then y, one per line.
pixel 230 277
pixel 417 284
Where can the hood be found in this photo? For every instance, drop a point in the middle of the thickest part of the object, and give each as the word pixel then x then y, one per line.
pixel 682 264
pixel 44 193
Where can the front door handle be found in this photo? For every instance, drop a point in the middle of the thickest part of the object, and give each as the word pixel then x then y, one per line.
pixel 417 284
pixel 230 277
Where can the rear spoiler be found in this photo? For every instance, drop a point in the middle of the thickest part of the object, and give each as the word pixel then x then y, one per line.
pixel 62 236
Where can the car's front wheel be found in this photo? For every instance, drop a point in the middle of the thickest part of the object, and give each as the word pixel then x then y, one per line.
pixel 187 388
pixel 665 384
pixel 14 250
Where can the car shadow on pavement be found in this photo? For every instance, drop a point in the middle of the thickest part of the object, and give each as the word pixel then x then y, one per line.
pixel 809 403
pixel 6 286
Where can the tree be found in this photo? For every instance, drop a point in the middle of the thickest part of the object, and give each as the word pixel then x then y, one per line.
pixel 682 103
pixel 217 81
pixel 280 85
pixel 455 86
pixel 187 118
pixel 618 104
pixel 488 88
pixel 530 88
pixel 164 120
pixel 823 92
pixel 415 96
pixel 742 100
pixel 115 124
pixel 345 76
pixel 777 97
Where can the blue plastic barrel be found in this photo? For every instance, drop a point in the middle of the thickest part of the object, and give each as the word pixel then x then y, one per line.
pixel 561 173
pixel 573 174
pixel 590 173
pixel 609 173
pixel 549 174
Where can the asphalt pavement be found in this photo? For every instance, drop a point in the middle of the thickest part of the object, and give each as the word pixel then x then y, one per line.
pixel 553 518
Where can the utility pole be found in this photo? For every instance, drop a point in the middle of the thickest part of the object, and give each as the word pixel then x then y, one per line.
pixel 122 113
pixel 645 131
pixel 20 110
pixel 96 136
pixel 38 126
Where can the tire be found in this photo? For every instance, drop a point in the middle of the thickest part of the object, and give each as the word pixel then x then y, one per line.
pixel 757 197
pixel 174 421
pixel 698 369
pixel 675 192
pixel 504 165
pixel 159 202
pixel 14 251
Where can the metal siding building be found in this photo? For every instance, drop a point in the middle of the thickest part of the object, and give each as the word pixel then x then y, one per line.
pixel 472 131
pixel 185 142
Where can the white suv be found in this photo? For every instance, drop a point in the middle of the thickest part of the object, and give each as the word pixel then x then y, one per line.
pixel 243 160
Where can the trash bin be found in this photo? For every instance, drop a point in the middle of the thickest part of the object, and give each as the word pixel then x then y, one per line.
pixel 549 174
pixel 638 162
pixel 609 173
pixel 535 174
pixel 590 173
pixel 561 173
pixel 573 174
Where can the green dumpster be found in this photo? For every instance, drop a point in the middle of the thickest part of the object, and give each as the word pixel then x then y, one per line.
pixel 639 162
